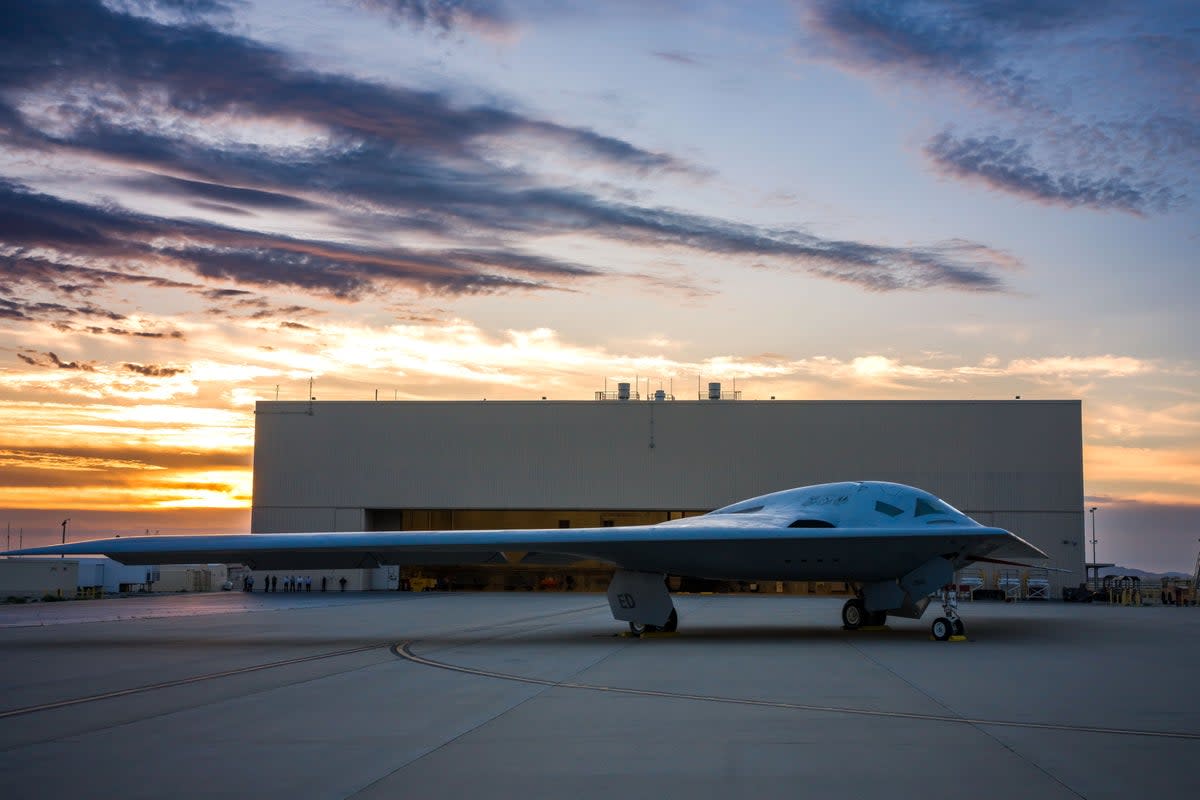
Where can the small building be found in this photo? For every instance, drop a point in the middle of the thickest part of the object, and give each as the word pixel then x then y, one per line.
pixel 35 578
pixel 95 576
pixel 191 577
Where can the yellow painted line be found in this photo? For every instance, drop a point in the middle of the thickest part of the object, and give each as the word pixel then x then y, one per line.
pixel 404 650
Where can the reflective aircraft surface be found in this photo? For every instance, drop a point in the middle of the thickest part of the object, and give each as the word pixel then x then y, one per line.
pixel 896 545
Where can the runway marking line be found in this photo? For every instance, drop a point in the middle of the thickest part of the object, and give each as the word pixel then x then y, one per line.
pixel 404 650
pixel 16 712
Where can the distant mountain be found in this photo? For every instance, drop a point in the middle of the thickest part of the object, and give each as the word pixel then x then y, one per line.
pixel 1139 573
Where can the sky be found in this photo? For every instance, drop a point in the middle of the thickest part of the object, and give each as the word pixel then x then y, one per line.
pixel 205 203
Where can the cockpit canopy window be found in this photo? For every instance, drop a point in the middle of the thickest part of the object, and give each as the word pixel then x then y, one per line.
pixel 888 508
pixel 811 523
pixel 927 507
pixel 746 510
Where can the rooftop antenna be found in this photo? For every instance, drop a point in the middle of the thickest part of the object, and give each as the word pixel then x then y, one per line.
pixel 277 392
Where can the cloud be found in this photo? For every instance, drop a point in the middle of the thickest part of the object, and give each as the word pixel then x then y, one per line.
pixel 924 40
pixel 199 71
pixel 677 57
pixel 1008 165
pixel 485 16
pixel 30 221
pixel 137 334
pixel 226 197
pixel 187 9
pixel 381 160
pixel 52 360
pixel 1106 366
pixel 154 370
pixel 21 310
pixel 66 462
pixel 1102 91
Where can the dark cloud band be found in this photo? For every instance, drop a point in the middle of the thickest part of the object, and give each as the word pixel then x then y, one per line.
pixel 1008 165
pixel 393 160
pixel 1102 90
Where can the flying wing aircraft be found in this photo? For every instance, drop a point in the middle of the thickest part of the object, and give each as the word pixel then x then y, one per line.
pixel 895 544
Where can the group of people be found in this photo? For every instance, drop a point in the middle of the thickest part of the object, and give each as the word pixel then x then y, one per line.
pixel 294 583
pixel 291 583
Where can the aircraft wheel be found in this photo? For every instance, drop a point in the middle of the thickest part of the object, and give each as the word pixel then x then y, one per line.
pixel 876 618
pixel 638 628
pixel 672 623
pixel 959 628
pixel 853 614
pixel 942 629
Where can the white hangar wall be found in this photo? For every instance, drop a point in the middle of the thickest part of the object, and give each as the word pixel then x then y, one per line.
pixel 322 465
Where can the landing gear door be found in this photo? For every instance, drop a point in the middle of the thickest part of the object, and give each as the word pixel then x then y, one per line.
pixel 640 597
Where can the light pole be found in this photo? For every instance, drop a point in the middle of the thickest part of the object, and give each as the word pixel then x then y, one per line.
pixel 1095 564
pixel 64 539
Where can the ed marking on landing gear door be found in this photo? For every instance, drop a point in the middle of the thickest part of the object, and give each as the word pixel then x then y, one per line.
pixel 625 600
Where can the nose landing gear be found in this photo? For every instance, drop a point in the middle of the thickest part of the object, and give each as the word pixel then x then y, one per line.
pixel 948 625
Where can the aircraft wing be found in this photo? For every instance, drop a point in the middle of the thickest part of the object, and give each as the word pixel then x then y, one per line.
pixel 857 531
pixel 738 549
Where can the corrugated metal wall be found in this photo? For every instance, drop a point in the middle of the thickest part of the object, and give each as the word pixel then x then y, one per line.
pixel 1015 463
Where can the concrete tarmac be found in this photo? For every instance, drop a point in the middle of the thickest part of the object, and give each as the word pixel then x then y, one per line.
pixel 385 695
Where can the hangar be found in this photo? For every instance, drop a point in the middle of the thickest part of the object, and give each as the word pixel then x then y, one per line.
pixel 431 465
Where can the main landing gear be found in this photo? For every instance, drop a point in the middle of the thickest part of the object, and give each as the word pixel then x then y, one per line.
pixel 855 615
pixel 949 624
pixel 672 625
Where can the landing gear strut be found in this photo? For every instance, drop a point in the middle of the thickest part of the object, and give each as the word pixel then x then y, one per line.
pixel 949 624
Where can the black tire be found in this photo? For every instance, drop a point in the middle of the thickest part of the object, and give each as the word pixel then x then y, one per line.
pixel 672 624
pixel 959 628
pixel 877 618
pixel 854 615
pixel 942 629
pixel 638 628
